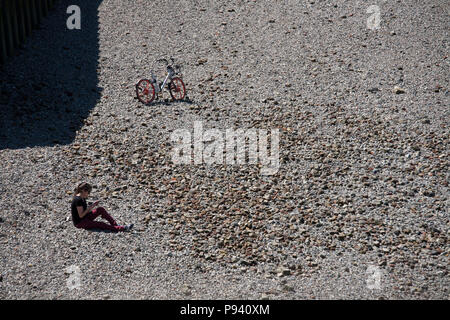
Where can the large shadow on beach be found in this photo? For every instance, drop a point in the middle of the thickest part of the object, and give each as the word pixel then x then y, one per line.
pixel 50 86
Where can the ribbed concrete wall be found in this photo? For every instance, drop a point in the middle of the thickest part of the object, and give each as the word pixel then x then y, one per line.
pixel 17 19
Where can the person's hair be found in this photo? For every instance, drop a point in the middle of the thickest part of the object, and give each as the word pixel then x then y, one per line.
pixel 82 187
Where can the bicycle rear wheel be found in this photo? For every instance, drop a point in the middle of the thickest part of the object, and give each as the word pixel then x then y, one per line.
pixel 145 91
pixel 177 89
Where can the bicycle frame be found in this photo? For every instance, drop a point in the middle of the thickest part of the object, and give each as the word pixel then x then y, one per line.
pixel 170 73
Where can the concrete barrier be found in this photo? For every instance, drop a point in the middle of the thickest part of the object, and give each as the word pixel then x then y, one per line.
pixel 17 20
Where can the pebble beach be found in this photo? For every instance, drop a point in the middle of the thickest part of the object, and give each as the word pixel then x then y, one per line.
pixel 358 207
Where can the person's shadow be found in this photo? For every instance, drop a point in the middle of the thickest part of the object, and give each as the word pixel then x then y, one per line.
pixel 97 230
pixel 50 86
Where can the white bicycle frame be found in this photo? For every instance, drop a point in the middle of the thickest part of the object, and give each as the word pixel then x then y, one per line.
pixel 170 74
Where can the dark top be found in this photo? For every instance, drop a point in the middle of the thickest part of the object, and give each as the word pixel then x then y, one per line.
pixel 77 202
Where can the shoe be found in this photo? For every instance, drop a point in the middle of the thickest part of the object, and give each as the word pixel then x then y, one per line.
pixel 119 228
pixel 128 227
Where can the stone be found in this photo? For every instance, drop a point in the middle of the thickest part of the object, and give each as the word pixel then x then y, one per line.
pixel 186 291
pixel 282 271
pixel 398 90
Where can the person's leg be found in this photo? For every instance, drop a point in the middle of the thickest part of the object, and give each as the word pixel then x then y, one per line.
pixel 105 215
pixel 90 224
pixel 91 215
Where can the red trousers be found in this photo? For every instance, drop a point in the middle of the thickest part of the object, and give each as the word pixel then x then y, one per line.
pixel 88 221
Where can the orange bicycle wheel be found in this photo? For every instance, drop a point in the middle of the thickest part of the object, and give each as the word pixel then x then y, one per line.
pixel 177 89
pixel 145 91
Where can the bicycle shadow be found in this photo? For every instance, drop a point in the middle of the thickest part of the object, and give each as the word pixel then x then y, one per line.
pixel 166 102
pixel 50 86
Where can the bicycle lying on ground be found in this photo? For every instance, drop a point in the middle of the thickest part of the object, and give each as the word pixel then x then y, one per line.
pixel 146 89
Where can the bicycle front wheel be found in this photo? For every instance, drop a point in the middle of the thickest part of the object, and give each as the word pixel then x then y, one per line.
pixel 177 89
pixel 145 91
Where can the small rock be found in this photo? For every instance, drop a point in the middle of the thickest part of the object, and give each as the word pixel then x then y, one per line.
pixel 398 90
pixel 429 193
pixel 287 288
pixel 147 218
pixel 186 291
pixel 282 271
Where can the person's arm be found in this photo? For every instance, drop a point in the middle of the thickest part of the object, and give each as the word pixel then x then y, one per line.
pixel 82 213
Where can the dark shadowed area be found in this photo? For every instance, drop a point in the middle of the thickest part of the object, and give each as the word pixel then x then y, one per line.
pixel 50 86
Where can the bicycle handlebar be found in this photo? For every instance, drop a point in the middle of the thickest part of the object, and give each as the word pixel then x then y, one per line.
pixel 176 68
pixel 165 61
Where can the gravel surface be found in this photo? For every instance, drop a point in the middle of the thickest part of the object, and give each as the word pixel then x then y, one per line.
pixel 357 210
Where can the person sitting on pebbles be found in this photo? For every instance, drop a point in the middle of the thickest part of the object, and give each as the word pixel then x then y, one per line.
pixel 83 216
